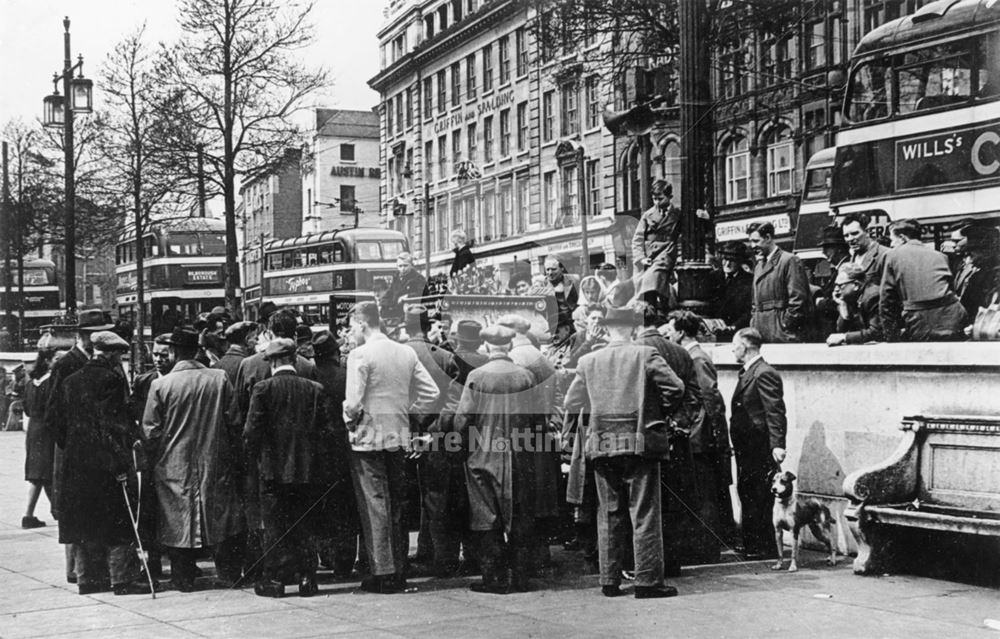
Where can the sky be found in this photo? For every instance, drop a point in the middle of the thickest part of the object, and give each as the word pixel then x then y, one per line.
pixel 31 45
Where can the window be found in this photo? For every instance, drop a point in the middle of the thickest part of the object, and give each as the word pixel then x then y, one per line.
pixel 409 106
pixel 738 172
pixel 472 139
pixel 428 97
pixel 488 139
pixel 779 165
pixel 816 45
pixel 522 126
pixel 456 146
pixel 505 133
pixel 441 224
pixel 594 186
pixel 488 223
pixel 570 116
pixel 456 84
pixel 870 92
pixel 407 170
pixel 470 76
pixel 442 92
pixel 389 121
pixel 777 65
pixel 548 199
pixel 593 103
pixel 735 77
pixel 521 51
pixel 347 197
pixel 521 204
pixel 429 160
pixel 487 68
pixel 506 204
pixel 399 113
pixel 442 157
pixel 456 10
pixel 503 52
pixel 548 124
pixel 428 27
pixel 935 76
pixel 392 184
pixel 569 210
pixel 443 17
pixel 346 152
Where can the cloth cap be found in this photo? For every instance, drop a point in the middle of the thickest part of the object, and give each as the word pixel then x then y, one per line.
pixel 108 341
pixel 516 322
pixel 498 335
pixel 621 317
pixel 281 347
pixel 238 332
pixel 325 344
pixel 303 334
pixel 468 331
pixel 183 337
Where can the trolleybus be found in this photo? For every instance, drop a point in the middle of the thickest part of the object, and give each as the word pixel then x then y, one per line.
pixel 38 305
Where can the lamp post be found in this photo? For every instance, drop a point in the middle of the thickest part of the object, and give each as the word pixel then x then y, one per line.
pixel 78 91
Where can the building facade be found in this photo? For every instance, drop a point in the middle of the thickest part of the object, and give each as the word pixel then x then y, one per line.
pixel 483 132
pixel 340 171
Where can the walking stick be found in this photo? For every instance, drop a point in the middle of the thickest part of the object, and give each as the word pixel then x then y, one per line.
pixel 133 517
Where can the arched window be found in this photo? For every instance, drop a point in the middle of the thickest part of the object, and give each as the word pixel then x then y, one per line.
pixel 631 198
pixel 737 171
pixel 668 165
pixel 780 162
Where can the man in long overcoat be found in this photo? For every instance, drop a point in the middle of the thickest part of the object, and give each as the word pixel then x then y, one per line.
pixel 782 302
pixel 98 464
pixel 654 247
pixel 499 432
pixel 191 438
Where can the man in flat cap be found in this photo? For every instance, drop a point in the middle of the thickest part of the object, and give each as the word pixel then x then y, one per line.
pixel 284 435
pixel 241 338
pixel 630 394
pixel 386 383
pixel 498 430
pixel 190 442
pixel 98 447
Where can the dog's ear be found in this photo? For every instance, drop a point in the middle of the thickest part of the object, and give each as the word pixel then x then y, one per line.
pixel 790 475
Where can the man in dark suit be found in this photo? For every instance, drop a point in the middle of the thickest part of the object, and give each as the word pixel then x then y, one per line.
pixel 858 320
pixel 758 425
pixel 736 288
pixel 629 392
pixel 407 283
pixel 284 430
pixel 782 301
pixel 463 253
pixel 865 251
pixel 240 337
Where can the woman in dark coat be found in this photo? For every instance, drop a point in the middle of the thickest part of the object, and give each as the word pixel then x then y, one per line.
pixel 40 440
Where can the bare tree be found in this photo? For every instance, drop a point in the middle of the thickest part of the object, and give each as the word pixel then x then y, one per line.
pixel 233 84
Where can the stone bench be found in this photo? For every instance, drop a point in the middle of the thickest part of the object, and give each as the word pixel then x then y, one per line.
pixel 935 500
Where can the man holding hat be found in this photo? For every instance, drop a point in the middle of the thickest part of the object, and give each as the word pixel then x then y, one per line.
pixel 497 426
pixel 240 337
pixel 86 322
pixel 630 394
pixel 100 437
pixel 283 436
pixel 736 296
pixel 191 443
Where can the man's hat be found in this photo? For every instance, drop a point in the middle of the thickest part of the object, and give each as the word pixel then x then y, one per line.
pixel 980 236
pixel 516 322
pixel 468 331
pixel 93 319
pixel 833 235
pixel 238 332
pixel 303 334
pixel 266 310
pixel 621 317
pixel 325 344
pixel 183 337
pixel 734 250
pixel 497 335
pixel 278 348
pixel 108 342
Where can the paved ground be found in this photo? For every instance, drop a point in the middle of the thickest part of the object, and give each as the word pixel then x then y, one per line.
pixel 734 600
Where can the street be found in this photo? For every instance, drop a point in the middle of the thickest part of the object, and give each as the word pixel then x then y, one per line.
pixel 729 600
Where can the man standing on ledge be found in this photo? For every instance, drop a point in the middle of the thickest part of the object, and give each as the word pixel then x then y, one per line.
pixel 782 301
pixel 758 429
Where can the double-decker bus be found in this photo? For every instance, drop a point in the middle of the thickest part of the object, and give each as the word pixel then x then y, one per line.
pixel 184 271
pixel 303 272
pixel 921 131
pixel 40 303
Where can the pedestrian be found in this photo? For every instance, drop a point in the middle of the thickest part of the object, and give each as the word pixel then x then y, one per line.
pixel 981 244
pixel 284 435
pixel 463 253
pixel 654 248
pixel 338 542
pixel 757 426
pixel 865 251
pixel 782 301
pixel 916 300
pixel 857 299
pixel 382 377
pixel 241 338
pixel 628 391
pixel 407 283
pixel 561 285
pixel 192 442
pixel 100 440
pixel 835 250
pixel 496 430
pixel 40 442
pixel 735 299
pixel 710 445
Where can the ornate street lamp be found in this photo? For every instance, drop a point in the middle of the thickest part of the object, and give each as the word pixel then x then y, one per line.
pixel 78 96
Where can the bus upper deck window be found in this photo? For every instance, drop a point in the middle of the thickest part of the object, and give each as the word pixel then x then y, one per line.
pixel 988 82
pixel 369 252
pixel 391 249
pixel 870 92
pixel 935 77
pixel 338 253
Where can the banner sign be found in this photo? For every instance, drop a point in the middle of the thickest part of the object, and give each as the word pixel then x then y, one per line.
pixel 950 157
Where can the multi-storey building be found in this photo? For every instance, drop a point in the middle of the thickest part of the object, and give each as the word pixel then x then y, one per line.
pixel 340 171
pixel 483 131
